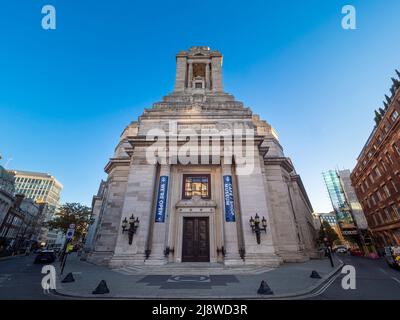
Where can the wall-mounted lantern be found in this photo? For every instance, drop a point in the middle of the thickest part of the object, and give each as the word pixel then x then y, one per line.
pixel 256 228
pixel 168 250
pixel 133 225
pixel 221 250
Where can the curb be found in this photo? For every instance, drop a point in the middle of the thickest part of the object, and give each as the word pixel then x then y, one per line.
pixel 298 294
pixel 11 257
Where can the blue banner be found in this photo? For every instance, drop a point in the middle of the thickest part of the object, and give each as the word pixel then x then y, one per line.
pixel 228 196
pixel 162 199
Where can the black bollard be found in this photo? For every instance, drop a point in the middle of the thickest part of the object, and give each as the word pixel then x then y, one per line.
pixel 315 275
pixel 264 288
pixel 68 278
pixel 101 288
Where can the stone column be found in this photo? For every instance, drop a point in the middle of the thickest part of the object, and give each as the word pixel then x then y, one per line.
pixel 106 235
pixel 180 73
pixel 207 75
pixel 232 256
pixel 159 227
pixel 216 74
pixel 190 75
pixel 253 199
pixel 138 201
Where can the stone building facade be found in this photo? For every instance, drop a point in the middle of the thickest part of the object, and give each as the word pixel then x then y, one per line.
pixel 376 176
pixel 198 207
pixel 7 191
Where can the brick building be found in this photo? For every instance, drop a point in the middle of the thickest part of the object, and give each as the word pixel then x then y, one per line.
pixel 376 177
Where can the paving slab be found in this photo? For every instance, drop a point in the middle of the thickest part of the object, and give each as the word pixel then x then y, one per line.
pixel 288 280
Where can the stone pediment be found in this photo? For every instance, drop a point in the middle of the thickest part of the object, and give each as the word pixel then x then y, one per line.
pixel 199 51
pixel 196 201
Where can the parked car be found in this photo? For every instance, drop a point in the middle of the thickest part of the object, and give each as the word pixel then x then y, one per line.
pixel 45 256
pixel 392 258
pixel 341 250
pixel 356 253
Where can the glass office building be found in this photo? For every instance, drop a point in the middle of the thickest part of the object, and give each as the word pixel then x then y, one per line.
pixel 336 194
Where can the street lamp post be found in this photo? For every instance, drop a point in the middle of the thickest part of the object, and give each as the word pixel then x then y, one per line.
pixel 328 247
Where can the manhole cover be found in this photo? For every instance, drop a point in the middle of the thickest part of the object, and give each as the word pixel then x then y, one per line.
pixel 189 278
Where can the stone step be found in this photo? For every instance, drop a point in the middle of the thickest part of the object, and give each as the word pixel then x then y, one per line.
pixel 191 269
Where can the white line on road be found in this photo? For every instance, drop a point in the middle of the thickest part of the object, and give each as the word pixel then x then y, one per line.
pixel 395 279
pixel 383 271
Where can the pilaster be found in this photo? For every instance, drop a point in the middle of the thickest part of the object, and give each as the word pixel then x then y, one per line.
pixel 138 201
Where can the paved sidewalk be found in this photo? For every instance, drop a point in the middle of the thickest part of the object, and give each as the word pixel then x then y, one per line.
pixel 290 279
pixel 11 257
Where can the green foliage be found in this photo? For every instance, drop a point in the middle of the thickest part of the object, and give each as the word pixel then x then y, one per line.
pixel 338 242
pixel 328 232
pixel 72 213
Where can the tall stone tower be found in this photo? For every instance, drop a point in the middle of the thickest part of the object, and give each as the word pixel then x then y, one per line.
pixel 203 209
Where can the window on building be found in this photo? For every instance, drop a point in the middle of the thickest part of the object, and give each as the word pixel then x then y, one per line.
pixel 373 199
pixel 375 220
pixel 196 185
pixel 383 165
pixel 378 194
pixel 377 172
pixel 396 212
pixel 396 148
pixel 386 215
pixel 389 157
pixel 394 115
pixel 386 189
pixel 394 186
pixel 379 218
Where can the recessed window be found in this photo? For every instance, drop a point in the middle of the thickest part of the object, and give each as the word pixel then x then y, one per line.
pixel 377 172
pixel 396 148
pixel 196 185
pixel 394 186
pixel 396 212
pixel 386 214
pixel 198 85
pixel 394 115
pixel 386 189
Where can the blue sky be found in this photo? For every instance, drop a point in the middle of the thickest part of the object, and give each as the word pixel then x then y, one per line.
pixel 67 94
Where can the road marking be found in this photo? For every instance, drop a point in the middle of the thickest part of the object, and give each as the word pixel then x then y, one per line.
pixel 395 279
pixel 4 277
pixel 383 271
pixel 326 286
pixel 317 293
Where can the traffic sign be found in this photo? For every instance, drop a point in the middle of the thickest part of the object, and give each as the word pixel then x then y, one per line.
pixel 70 233
pixel 72 226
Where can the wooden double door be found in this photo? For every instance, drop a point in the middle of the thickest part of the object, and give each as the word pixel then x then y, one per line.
pixel 196 241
